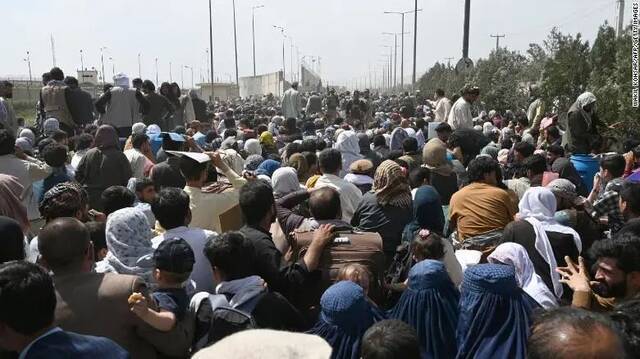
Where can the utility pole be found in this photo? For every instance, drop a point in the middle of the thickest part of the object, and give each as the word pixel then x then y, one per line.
pixel 181 77
pixel 253 32
pixel 113 67
pixel 395 56
pixel 497 37
pixel 235 40
pixel 465 37
pixel 139 67
pixel 449 61
pixel 157 84
pixel 402 33
pixel 53 51
pixel 170 75
pixel 28 61
pixel 415 44
pixel 620 17
pixel 102 62
pixel 210 49
pixel 283 60
pixel 81 62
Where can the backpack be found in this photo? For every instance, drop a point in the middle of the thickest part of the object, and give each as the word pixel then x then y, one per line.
pixel 225 320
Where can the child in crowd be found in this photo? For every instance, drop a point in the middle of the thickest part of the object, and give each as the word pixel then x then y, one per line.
pixel 356 273
pixel 173 261
pixel 55 155
pixel 98 239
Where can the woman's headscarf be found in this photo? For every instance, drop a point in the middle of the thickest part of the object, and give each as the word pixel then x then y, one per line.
pixel 284 180
pixel 252 147
pixel 427 213
pixel 266 139
pixel 495 314
pixel 138 128
pixel 491 151
pixel 538 207
pixel 28 134
pixel 252 162
pixel 12 244
pixel 348 145
pixel 390 185
pixel 430 306
pixel 299 162
pixel 364 143
pixel 397 137
pixel 583 100
pixel 106 138
pixel 50 125
pixel 516 256
pixel 345 315
pixel 434 157
pixel 129 243
pixel 10 203
pixel 268 167
pixel 153 129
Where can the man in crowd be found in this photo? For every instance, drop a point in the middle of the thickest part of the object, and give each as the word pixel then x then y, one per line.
pixel 460 115
pixel 171 209
pixel 605 193
pixel 330 162
pixel 314 104
pixel 166 172
pixel 160 108
pixel 291 102
pixel 54 101
pixel 7 114
pixel 442 106
pixel 209 202
pixel 630 201
pixel 79 101
pixel 140 164
pixel 120 107
pixel 27 308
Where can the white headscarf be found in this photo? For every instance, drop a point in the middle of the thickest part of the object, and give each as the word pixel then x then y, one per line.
pixel 153 129
pixel 538 207
pixel 138 128
pixel 129 243
pixel 121 80
pixel 583 100
pixel 515 255
pixel 349 146
pixel 284 181
pixel 252 147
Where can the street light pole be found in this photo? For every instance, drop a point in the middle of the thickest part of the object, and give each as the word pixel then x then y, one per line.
pixel 102 62
pixel 211 49
pixel 283 43
pixel 170 76
pixel 235 40
pixel 181 77
pixel 139 67
pixel 81 61
pixel 253 34
pixel 402 33
pixel 28 60
pixel 157 84
pixel 113 67
pixel 415 44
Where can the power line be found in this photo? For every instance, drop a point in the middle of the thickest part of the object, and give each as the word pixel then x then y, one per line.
pixel 497 37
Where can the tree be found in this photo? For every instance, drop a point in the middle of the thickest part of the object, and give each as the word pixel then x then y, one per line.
pixel 603 82
pixel 627 114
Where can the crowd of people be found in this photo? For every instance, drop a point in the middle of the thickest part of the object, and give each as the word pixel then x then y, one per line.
pixel 150 224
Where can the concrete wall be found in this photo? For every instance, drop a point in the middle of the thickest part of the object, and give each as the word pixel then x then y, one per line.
pixel 221 91
pixel 309 80
pixel 263 84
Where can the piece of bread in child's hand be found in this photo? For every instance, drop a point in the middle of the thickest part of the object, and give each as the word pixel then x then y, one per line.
pixel 135 297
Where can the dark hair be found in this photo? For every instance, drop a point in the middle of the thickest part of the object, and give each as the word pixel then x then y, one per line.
pixel 553 131
pixel 324 204
pixel 480 166
pixel 191 169
pixel 379 140
pixel 55 154
pixel 440 92
pixel 556 150
pixel 115 198
pixel 320 144
pixel 171 207
pixel 561 333
pixel 418 176
pixel 231 253
pixel 430 247
pixel 56 74
pixel 390 339
pixel 27 297
pixel 308 145
pixel 444 127
pixel 537 164
pixel 256 199
pixel 330 160
pixel 410 144
pixel 7 142
pixel 138 139
pixel 614 164
pixel 524 148
pixel 311 158
pixel 58 135
pixel 83 141
pixel 630 193
pixel 229 123
pixel 170 145
pixel 143 183
pixel 148 85
pixel 98 237
pixel 137 80
pixel 624 248
pixel 626 318
pixel 71 81
pixel 63 243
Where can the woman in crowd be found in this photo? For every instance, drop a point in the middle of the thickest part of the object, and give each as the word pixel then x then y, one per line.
pixel 387 208
pixel 348 145
pixel 514 255
pixel 103 166
pixel 284 180
pixel 443 178
pixel 547 242
pixel 495 314
pixel 129 244
pixel 430 306
pixel 345 315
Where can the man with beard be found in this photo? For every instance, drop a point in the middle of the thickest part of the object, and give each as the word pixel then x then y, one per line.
pixel 617 273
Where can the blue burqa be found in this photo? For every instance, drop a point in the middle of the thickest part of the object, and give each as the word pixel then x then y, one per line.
pixel 430 306
pixel 495 315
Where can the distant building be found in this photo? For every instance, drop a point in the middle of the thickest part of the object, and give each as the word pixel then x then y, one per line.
pixel 89 77
pixel 223 91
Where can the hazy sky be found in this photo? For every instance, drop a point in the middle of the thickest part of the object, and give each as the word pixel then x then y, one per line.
pixel 346 34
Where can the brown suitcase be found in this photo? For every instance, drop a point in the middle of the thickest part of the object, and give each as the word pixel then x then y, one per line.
pixel 349 247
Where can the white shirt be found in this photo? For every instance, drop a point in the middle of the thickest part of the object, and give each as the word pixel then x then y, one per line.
pixel 460 115
pixel 350 195
pixel 443 106
pixel 27 172
pixel 202 273
pixel 291 104
pixel 23 353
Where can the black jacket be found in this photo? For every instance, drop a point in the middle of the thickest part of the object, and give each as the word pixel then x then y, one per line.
pixel 80 105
